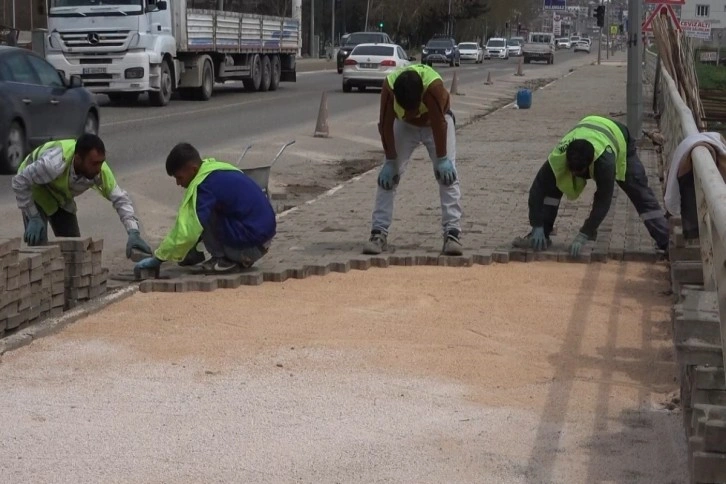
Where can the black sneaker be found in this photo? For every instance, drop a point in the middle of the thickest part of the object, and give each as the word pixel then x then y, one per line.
pixel 192 258
pixel 219 265
pixel 376 244
pixel 452 244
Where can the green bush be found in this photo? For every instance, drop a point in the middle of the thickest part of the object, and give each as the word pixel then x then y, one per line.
pixel 711 76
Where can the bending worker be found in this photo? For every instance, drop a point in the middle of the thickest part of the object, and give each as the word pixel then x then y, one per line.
pixel 415 109
pixel 223 207
pixel 600 149
pixel 54 174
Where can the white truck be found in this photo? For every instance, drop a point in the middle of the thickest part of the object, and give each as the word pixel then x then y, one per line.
pixel 123 48
pixel 540 46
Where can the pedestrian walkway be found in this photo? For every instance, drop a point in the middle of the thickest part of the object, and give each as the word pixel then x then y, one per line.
pixel 498 157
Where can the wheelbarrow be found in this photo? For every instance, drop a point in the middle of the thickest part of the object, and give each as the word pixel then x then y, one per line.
pixel 261 174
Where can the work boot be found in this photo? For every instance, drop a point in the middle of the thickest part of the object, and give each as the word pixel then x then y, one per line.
pixel 376 244
pixel 452 243
pixel 192 258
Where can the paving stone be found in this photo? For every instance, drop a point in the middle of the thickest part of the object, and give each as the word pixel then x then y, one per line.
pixel 251 279
pixel 318 269
pixel 280 275
pixel 342 267
pixel 360 264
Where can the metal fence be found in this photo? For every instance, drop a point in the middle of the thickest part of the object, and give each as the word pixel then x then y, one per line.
pixel 676 123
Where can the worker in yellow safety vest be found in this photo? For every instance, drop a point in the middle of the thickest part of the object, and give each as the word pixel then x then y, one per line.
pixel 50 178
pixel 598 149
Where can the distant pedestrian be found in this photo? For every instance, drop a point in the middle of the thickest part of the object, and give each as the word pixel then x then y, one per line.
pixel 600 149
pixel 223 208
pixel 54 174
pixel 415 109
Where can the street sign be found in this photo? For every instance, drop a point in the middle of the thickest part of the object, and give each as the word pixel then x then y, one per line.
pixel 661 9
pixel 698 29
pixel 555 4
pixel 666 2
pixel 613 30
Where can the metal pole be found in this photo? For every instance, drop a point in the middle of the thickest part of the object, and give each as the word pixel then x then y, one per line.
pixel 635 72
pixel 13 5
pixel 607 33
pixel 368 9
pixel 332 25
pixel 448 21
pixel 599 44
pixel 312 27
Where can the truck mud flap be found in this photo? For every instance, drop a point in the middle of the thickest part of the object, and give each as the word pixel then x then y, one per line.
pixel 288 76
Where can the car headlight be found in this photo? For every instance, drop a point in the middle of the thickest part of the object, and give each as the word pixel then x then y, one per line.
pixel 448 51
pixel 425 51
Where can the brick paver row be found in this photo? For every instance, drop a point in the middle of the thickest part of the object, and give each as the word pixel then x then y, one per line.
pixel 497 158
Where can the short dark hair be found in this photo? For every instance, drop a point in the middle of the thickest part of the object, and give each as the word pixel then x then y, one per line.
pixel 89 142
pixel 408 90
pixel 179 156
pixel 580 154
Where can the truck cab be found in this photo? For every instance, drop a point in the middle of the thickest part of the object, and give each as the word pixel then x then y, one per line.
pixel 540 46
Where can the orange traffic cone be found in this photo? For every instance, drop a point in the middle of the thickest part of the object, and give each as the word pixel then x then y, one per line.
pixel 455 85
pixel 321 128
pixel 489 81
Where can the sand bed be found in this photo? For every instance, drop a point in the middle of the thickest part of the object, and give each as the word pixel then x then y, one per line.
pixel 521 373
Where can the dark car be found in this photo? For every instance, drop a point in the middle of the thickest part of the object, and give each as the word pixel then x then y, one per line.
pixel 360 38
pixel 37 104
pixel 441 50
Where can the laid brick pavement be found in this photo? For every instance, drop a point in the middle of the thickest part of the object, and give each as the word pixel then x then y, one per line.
pixel 498 157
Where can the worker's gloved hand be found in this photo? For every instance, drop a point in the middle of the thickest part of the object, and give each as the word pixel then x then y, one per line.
pixel 538 238
pixel 444 171
pixel 577 244
pixel 150 263
pixel 388 178
pixel 35 230
pixel 136 242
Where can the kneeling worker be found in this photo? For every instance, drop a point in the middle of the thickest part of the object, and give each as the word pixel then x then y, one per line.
pixel 600 149
pixel 54 174
pixel 222 206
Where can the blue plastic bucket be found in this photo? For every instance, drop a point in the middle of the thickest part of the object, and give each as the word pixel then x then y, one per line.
pixel 524 99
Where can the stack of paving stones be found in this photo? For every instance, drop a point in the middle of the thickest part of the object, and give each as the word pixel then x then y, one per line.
pixel 31 284
pixel 85 277
pixel 699 354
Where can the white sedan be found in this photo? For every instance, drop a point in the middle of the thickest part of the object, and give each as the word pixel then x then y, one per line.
pixel 582 46
pixel 471 51
pixel 563 43
pixel 514 47
pixel 368 65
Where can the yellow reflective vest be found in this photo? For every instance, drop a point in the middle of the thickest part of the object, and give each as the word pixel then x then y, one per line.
pixel 428 75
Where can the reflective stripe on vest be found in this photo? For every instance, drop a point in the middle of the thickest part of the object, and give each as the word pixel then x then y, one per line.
pixel 427 74
pixel 604 135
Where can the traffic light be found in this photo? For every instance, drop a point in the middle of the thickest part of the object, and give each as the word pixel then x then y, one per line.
pixel 380 25
pixel 621 29
pixel 600 15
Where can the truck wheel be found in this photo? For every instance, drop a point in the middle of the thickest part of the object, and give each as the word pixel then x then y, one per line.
pixel 276 72
pixel 266 74
pixel 347 87
pixel 253 82
pixel 204 92
pixel 123 97
pixel 552 59
pixel 163 95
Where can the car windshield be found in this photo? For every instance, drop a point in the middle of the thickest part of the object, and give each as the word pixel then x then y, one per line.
pixel 468 46
pixel 373 50
pixel 495 43
pixel 513 42
pixel 540 39
pixel 356 39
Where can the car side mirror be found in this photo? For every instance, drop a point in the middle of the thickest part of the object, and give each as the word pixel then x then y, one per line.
pixel 412 58
pixel 76 81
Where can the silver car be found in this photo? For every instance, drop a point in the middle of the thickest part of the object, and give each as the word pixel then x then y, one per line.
pixel 471 51
pixel 368 65
pixel 37 104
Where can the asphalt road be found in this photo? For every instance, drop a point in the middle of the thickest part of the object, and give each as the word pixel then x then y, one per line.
pixel 141 135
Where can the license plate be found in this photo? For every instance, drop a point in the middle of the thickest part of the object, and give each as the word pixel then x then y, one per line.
pixel 94 70
pixel 365 65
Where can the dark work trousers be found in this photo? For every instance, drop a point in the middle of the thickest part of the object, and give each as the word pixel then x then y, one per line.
pixel 640 194
pixel 246 257
pixel 63 223
pixel 689 208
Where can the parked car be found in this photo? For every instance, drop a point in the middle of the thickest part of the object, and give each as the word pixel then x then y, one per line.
pixel 37 104
pixel 563 43
pixel 471 51
pixel 368 65
pixel 582 46
pixel 497 48
pixel 358 38
pixel 514 47
pixel 442 50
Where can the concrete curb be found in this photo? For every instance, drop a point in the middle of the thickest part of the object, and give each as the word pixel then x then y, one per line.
pixel 50 326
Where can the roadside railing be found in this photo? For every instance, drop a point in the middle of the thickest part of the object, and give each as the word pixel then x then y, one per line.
pixel 676 123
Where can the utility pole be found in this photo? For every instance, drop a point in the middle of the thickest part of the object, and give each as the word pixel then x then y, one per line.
pixel 368 9
pixel 635 72
pixel 607 34
pixel 448 22
pixel 312 27
pixel 332 25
